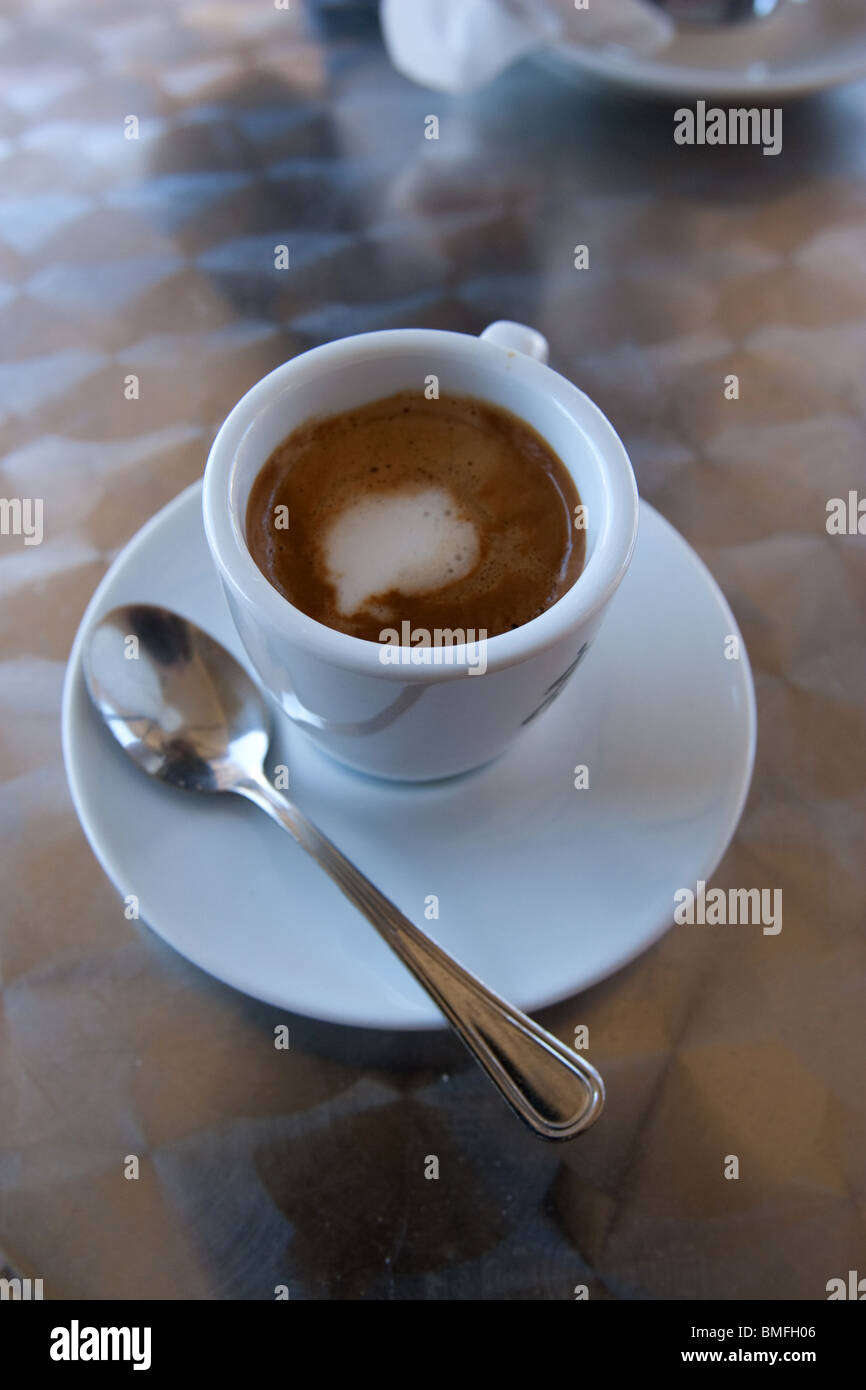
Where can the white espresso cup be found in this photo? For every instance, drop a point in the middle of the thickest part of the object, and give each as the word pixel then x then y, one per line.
pixel 397 710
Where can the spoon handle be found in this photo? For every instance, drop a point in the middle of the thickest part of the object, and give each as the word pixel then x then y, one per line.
pixel 551 1088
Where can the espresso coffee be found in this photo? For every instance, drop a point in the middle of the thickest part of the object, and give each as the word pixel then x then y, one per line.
pixel 446 514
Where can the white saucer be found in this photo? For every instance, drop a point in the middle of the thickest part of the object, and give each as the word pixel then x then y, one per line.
pixel 542 889
pixel 800 48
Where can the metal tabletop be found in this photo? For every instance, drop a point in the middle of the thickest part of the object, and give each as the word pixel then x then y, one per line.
pixel 153 255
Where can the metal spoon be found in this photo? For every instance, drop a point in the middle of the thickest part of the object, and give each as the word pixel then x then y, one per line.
pixel 188 714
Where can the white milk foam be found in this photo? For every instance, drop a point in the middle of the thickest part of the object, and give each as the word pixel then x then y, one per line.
pixel 410 541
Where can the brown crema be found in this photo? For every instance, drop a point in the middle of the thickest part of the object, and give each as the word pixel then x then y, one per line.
pixel 498 473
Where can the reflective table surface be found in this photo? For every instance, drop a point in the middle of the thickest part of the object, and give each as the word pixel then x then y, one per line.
pixel 152 158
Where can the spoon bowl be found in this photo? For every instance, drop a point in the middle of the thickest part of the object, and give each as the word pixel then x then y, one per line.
pixel 180 705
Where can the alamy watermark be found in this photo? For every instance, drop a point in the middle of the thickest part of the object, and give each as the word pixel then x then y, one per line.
pixel 21 1290
pixel 737 907
pixel 738 125
pixel 852 1288
pixel 419 646
pixel 77 1343
pixel 22 516
pixel 846 516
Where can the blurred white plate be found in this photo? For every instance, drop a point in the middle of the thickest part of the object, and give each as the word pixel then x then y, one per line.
pixel 804 46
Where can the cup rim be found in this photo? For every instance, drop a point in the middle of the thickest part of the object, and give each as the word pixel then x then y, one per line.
pixel 599 578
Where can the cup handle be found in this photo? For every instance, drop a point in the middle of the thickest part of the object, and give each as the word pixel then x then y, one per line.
pixel 517 337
